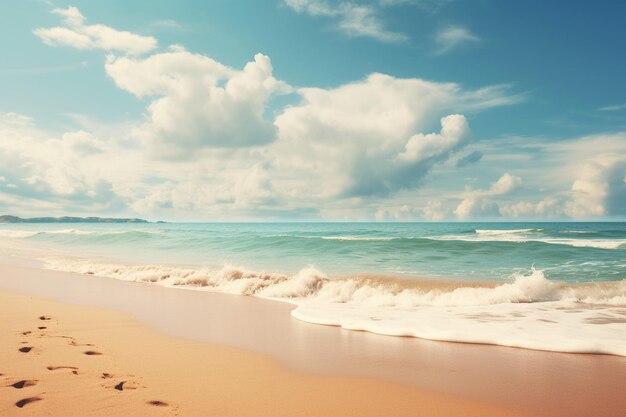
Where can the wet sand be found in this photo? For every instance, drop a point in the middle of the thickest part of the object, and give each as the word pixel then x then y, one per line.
pixel 327 361
pixel 58 359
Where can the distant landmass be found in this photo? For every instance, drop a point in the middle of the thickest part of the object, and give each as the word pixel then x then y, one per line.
pixel 65 219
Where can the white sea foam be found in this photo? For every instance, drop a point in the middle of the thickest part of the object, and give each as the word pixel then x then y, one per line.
pixel 23 234
pixel 356 238
pixel 18 234
pixel 347 238
pixel 499 232
pixel 590 243
pixel 554 326
pixel 72 232
pixel 529 311
pixel 530 235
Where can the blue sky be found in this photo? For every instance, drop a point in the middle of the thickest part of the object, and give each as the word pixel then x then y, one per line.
pixel 356 110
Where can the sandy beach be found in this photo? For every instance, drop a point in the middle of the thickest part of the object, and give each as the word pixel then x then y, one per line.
pixel 69 360
pixel 313 208
pixel 192 353
pixel 86 345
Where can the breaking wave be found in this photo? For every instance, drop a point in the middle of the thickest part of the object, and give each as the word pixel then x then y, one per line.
pixel 25 234
pixel 528 310
pixel 499 232
pixel 356 238
pixel 367 289
pixel 537 235
pixel 17 234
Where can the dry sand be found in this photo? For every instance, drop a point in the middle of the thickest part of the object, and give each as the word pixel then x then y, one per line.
pixel 67 360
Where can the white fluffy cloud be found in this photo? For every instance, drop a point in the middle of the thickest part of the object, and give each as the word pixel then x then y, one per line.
pixel 506 184
pixel 435 211
pixel 600 189
pixel 77 34
pixel 197 101
pixel 396 213
pixel 364 138
pixel 480 203
pixel 80 173
pixel 548 208
pixel 452 37
pixel 340 151
pixel 579 178
pixel 44 166
pixel 595 168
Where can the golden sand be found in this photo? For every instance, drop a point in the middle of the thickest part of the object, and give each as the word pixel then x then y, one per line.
pixel 66 360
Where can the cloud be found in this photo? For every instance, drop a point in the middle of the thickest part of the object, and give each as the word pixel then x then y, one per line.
pixel 420 147
pixel 365 138
pixel 435 211
pixel 616 107
pixel 77 172
pixel 600 189
pixel 577 178
pixel 77 34
pixel 477 207
pixel 505 185
pixel 548 208
pixel 451 37
pixel 169 24
pixel 353 19
pixel 595 166
pixel 398 213
pixel 470 158
pixel 46 167
pixel 209 143
pixel 198 102
pixel 480 203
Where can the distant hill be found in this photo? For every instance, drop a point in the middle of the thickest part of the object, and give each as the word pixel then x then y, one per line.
pixel 15 219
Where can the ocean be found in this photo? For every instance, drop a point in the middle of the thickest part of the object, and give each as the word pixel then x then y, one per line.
pixel 549 286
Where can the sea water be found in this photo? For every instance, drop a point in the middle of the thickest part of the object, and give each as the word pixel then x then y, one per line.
pixel 550 286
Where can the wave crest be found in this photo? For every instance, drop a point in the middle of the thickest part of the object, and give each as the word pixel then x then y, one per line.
pixel 498 232
pixel 310 283
pixel 529 311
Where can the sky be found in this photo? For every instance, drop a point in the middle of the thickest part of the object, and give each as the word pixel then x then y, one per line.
pixel 314 110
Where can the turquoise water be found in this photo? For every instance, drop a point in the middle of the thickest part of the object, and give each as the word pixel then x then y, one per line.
pixel 571 252
pixel 558 286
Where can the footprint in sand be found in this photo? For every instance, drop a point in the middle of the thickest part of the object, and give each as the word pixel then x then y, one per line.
pixel 25 349
pixel 44 318
pixel 24 383
pixel 75 343
pixel 92 353
pixel 42 327
pixel 56 368
pixel 22 403
pixel 158 403
pixel 26 333
pixel 125 385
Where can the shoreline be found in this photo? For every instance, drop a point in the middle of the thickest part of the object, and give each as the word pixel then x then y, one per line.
pixel 533 382
pixel 84 361
pixel 544 315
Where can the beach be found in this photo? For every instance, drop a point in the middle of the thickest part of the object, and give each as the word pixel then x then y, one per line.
pixel 313 208
pixel 60 359
pixel 182 352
